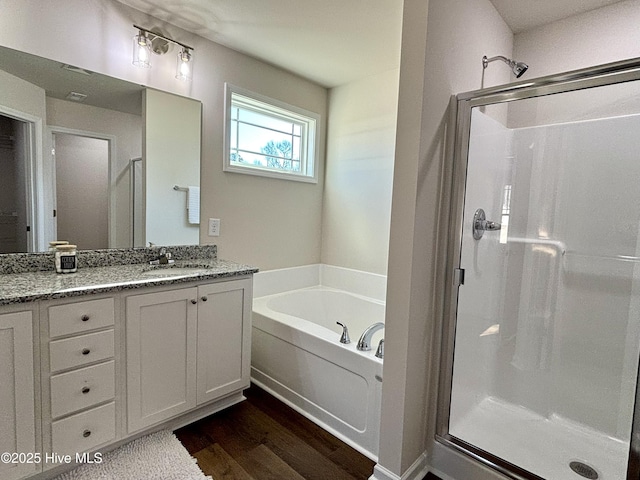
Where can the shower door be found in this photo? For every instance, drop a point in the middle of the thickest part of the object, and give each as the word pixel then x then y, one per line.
pixel 543 338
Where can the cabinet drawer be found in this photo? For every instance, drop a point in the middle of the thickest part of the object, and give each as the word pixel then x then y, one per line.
pixel 82 388
pixel 80 316
pixel 76 351
pixel 84 431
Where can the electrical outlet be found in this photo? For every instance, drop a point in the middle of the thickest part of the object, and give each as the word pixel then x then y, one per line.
pixel 214 227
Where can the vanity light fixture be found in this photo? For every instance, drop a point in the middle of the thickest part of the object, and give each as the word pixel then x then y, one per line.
pixel 142 50
pixel 147 42
pixel 183 70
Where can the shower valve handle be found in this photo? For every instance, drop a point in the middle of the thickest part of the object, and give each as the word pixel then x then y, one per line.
pixel 489 226
pixel 481 224
pixel 344 338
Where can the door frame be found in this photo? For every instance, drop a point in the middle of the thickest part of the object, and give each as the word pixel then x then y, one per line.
pixel 52 130
pixel 461 107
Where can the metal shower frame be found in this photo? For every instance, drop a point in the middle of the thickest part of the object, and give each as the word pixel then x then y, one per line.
pixel 461 106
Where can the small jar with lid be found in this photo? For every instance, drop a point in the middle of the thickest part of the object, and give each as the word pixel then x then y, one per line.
pixel 66 258
pixel 53 245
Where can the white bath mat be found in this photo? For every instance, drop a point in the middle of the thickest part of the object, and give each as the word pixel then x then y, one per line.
pixel 159 456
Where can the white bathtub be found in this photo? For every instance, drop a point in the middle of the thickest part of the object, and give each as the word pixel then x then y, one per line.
pixel 297 356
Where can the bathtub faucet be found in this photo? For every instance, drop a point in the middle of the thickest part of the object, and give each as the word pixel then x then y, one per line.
pixel 364 344
pixel 344 338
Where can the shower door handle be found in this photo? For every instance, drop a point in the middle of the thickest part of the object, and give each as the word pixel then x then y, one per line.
pixel 481 224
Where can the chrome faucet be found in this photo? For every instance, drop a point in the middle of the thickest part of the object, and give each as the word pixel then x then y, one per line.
pixel 364 344
pixel 344 338
pixel 164 257
pixel 380 350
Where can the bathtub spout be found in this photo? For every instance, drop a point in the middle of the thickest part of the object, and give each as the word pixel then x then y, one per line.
pixel 344 338
pixel 364 344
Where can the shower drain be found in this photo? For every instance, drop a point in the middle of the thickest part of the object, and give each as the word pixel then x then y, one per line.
pixel 584 470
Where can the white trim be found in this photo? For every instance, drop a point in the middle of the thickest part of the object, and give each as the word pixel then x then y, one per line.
pixel 311 137
pixel 417 471
pixel 111 140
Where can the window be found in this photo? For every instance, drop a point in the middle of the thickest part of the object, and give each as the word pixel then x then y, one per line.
pixel 269 138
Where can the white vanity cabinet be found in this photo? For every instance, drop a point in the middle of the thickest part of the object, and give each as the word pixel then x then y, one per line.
pixel 17 400
pixel 186 347
pixel 161 355
pixel 91 370
pixel 78 373
pixel 224 339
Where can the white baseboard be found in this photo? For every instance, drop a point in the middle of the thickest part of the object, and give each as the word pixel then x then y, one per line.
pixel 417 471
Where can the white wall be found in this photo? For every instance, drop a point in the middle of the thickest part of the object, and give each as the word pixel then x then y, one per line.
pixel 260 216
pixel 21 96
pixel 358 181
pixel 442 50
pixel 171 156
pixel 127 131
pixel 604 35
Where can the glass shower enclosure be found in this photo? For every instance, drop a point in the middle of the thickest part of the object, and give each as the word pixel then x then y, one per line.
pixel 542 327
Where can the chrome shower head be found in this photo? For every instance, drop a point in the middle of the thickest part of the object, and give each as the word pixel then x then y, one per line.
pixel 518 68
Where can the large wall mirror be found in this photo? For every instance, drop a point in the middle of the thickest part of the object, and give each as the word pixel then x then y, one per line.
pixel 97 161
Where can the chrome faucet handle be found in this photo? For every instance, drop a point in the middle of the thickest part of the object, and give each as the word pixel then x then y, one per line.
pixel 380 349
pixel 344 338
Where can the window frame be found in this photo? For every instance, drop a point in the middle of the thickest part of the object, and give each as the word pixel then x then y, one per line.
pixel 310 142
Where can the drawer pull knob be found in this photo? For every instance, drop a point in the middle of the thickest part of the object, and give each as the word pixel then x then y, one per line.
pixel 86 351
pixel 194 301
pixel 84 318
pixel 86 433
pixel 204 298
pixel 86 390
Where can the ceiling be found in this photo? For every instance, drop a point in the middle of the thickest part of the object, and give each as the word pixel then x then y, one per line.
pixel 331 42
pixel 60 80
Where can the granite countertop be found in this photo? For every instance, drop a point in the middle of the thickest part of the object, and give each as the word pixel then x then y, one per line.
pixel 44 285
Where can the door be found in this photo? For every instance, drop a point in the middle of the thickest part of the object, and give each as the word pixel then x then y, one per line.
pixel 224 343
pixel 545 332
pixel 17 421
pixel 161 356
pixel 82 190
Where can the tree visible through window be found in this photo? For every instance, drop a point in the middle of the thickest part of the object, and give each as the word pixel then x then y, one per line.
pixel 266 137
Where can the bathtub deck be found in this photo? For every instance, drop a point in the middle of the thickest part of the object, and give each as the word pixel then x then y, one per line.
pixel 263 438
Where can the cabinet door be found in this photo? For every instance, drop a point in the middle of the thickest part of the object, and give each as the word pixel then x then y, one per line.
pixel 161 356
pixel 224 342
pixel 17 415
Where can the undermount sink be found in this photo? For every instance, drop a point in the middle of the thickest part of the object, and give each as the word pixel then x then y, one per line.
pixel 170 271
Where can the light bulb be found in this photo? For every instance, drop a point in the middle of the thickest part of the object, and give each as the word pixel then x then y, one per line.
pixel 141 51
pixel 183 70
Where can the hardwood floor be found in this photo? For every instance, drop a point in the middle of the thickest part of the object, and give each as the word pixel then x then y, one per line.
pixel 262 439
